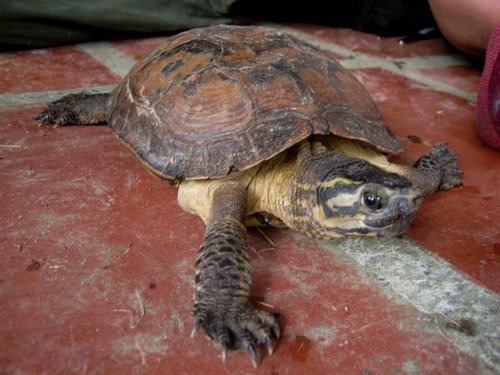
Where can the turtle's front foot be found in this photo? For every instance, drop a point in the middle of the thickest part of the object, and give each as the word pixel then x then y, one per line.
pixel 223 279
pixel 233 323
pixel 77 109
pixel 440 167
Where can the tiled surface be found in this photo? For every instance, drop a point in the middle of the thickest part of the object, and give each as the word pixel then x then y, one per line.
pixel 96 271
pixel 371 44
pixel 51 69
pixel 455 76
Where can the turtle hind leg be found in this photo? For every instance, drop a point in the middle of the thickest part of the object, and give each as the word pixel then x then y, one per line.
pixel 223 279
pixel 75 109
pixel 439 169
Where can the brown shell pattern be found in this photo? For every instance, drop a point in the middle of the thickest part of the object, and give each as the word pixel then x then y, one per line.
pixel 213 100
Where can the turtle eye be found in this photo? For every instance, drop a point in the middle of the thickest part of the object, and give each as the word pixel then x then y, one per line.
pixel 372 201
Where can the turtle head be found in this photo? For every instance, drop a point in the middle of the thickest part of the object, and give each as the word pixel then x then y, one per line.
pixel 356 198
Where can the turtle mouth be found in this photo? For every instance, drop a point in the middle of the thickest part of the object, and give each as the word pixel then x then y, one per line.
pixel 393 221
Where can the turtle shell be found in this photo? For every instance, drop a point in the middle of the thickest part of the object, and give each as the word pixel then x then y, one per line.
pixel 223 98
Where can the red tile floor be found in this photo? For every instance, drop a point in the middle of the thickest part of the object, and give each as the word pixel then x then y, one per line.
pixel 97 256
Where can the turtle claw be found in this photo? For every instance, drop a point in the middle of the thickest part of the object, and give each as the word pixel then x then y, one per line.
pixel 236 326
pixel 225 349
pixel 199 322
pixel 269 344
pixel 42 116
pixel 253 353
pixel 47 116
pixel 60 121
pixel 276 329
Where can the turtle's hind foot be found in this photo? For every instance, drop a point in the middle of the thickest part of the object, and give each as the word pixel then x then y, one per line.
pixel 75 109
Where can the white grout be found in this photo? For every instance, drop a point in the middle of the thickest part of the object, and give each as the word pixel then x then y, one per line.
pixel 104 52
pixel 9 101
pixel 109 56
pixel 411 274
pixel 120 64
pixel 407 67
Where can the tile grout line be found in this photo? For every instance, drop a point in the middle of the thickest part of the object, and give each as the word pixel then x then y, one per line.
pixel 414 275
pixel 430 82
pixel 120 64
pixel 418 62
pixel 103 52
pixel 405 67
pixel 109 56
pixel 10 101
pixel 414 75
pixel 439 86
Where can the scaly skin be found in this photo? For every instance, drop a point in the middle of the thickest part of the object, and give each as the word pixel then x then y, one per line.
pixel 223 279
pixel 77 109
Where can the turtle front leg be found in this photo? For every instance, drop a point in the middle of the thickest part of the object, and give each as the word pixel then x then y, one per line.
pixel 438 170
pixel 75 109
pixel 223 279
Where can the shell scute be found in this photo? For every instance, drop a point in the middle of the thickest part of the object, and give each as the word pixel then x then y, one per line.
pixel 224 98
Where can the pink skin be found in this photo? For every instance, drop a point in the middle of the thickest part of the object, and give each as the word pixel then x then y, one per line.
pixel 467 24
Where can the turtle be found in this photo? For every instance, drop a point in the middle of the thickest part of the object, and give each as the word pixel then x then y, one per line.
pixel 257 127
